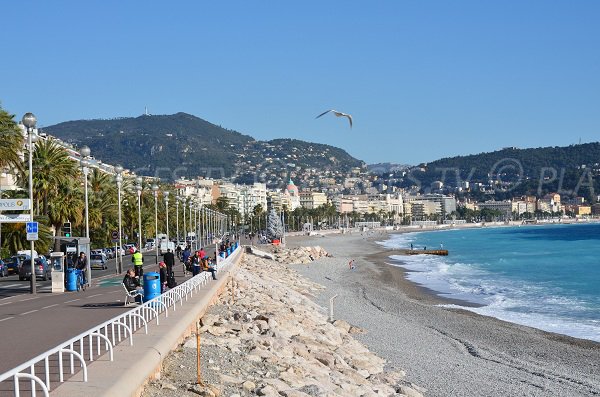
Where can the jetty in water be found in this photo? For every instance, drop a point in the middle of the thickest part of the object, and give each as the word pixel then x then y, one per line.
pixel 422 252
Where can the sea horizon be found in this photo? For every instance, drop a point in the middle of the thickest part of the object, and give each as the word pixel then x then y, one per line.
pixel 542 276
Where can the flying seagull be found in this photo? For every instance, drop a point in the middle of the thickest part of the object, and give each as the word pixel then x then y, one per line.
pixel 338 114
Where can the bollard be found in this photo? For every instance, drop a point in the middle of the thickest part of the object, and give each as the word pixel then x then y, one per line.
pixel 331 307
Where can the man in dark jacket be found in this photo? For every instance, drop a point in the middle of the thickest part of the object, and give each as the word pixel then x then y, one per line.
pixel 169 259
pixel 132 283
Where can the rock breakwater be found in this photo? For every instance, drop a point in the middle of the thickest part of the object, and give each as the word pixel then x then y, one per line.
pixel 265 336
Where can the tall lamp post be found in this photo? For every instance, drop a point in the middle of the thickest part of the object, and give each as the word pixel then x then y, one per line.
pixel 119 179
pixel 156 242
pixel 29 122
pixel 166 194
pixel 138 189
pixel 177 219
pixel 85 163
pixel 184 225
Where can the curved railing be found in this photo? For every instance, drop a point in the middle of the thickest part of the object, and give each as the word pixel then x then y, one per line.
pixel 95 342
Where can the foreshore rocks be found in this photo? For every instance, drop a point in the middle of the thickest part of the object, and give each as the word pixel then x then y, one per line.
pixel 299 255
pixel 265 337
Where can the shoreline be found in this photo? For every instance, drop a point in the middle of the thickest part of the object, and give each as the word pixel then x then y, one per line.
pixel 451 351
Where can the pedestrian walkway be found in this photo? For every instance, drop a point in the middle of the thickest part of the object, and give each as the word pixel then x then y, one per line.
pixel 134 365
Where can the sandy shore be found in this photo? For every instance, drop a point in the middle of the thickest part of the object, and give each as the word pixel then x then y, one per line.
pixel 449 352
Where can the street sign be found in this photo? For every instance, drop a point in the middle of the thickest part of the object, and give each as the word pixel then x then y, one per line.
pixel 14 218
pixel 32 227
pixel 32 231
pixel 115 236
pixel 14 204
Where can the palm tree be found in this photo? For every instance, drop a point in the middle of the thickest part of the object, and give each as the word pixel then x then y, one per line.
pixel 11 141
pixel 51 167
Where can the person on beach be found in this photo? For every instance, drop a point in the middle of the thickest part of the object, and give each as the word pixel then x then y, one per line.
pixel 196 263
pixel 351 264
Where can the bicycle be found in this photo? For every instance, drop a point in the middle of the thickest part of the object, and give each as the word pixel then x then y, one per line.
pixel 80 281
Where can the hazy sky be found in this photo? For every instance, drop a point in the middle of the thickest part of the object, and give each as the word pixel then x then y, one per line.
pixel 422 79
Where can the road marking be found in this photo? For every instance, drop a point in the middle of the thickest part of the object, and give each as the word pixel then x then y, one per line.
pixel 73 300
pixel 49 306
pixel 13 285
pixel 91 296
pixel 28 299
pixel 31 311
pixel 7 318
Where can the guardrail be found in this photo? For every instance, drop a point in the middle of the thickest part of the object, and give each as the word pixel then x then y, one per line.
pixel 49 367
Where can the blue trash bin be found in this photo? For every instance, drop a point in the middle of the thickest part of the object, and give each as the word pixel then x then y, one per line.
pixel 228 251
pixel 71 279
pixel 151 286
pixel 222 254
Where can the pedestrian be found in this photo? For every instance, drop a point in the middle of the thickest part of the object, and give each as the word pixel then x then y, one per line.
pixel 163 273
pixel 411 246
pixel 185 256
pixel 196 263
pixel 351 264
pixel 138 262
pixel 169 259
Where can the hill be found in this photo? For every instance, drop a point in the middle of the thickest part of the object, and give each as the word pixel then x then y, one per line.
pixel 511 171
pixel 181 144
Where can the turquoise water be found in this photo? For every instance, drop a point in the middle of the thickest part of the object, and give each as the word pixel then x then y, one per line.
pixel 546 277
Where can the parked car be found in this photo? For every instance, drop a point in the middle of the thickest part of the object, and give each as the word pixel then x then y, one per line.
pixel 97 261
pixel 110 252
pixel 101 253
pixel 13 263
pixel 3 269
pixel 41 268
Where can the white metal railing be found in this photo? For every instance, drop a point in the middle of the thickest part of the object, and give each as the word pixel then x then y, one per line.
pixel 106 336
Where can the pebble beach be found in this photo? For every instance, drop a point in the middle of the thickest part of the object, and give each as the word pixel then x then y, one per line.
pixel 390 338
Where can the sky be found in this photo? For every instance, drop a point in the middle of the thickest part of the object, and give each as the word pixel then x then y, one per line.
pixel 423 80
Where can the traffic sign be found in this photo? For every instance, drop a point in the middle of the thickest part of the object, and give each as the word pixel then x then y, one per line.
pixel 32 231
pixel 115 236
pixel 14 218
pixel 32 227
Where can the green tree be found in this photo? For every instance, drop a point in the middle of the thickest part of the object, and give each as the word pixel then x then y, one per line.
pixel 11 141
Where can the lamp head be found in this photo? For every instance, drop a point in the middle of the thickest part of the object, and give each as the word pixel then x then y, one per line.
pixel 118 169
pixel 29 120
pixel 155 188
pixel 85 151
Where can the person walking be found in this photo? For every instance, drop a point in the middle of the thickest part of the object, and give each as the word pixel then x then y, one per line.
pixel 169 259
pixel 185 256
pixel 138 262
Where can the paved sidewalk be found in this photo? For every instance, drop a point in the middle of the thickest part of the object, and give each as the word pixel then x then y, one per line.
pixel 134 365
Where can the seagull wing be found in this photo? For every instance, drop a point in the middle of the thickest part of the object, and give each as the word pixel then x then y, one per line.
pixel 324 113
pixel 349 119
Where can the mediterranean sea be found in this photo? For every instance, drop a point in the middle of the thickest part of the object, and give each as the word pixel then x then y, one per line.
pixel 547 277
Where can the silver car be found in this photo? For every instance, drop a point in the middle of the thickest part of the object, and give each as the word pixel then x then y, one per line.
pixel 97 261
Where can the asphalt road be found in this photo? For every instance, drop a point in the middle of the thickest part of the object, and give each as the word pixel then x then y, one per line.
pixel 32 324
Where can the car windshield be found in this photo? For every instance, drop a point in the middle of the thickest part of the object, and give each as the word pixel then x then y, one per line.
pixel 96 257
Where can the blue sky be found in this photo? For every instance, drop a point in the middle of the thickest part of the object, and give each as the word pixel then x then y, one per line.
pixel 422 79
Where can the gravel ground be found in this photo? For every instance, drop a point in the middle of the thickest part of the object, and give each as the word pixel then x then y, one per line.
pixel 449 352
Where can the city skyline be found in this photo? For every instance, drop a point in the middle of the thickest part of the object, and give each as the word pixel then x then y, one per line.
pixel 422 82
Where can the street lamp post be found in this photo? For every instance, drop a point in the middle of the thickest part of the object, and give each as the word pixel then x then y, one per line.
pixel 166 194
pixel 184 225
pixel 85 163
pixel 155 190
pixel 119 179
pixel 177 220
pixel 138 188
pixel 29 122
